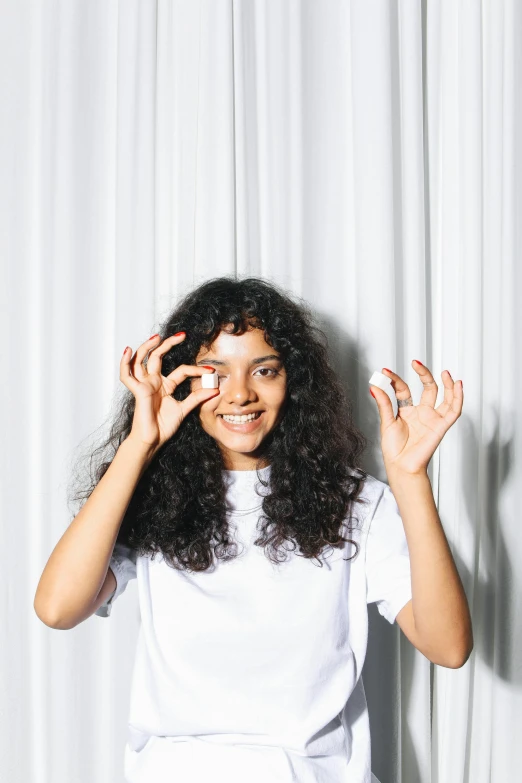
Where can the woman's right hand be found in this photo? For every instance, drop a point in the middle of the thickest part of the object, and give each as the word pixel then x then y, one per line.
pixel 158 415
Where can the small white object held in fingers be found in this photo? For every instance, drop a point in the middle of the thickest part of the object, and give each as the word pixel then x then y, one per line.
pixel 210 381
pixel 384 383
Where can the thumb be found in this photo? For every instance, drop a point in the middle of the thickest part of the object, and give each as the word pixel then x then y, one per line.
pixel 197 397
pixel 384 405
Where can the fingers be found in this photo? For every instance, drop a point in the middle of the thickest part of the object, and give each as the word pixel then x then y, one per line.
pixel 136 364
pixel 400 387
pixel 402 390
pixel 159 349
pixel 183 371
pixel 430 388
pixel 126 376
pixel 132 371
pixel 451 407
pixel 196 397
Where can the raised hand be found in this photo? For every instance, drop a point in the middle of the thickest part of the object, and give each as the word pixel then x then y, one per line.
pixel 409 441
pixel 158 415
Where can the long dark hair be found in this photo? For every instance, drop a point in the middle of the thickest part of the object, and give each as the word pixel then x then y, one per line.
pixel 178 507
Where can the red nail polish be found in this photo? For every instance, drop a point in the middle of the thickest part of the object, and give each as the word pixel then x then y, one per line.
pixel 207 367
pixel 385 368
pixel 373 395
pixel 421 364
pixel 178 333
pixel 153 335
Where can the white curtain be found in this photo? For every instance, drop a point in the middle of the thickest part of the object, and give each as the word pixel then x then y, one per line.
pixel 366 155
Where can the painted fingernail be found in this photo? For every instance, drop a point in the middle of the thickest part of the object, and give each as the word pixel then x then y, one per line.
pixel 373 395
pixel 385 368
pixel 125 351
pixel 417 361
pixel 152 336
pixel 178 334
pixel 207 367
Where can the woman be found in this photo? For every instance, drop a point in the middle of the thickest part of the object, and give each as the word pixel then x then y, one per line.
pixel 253 603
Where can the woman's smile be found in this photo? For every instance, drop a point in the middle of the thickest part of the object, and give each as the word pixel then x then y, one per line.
pixel 236 426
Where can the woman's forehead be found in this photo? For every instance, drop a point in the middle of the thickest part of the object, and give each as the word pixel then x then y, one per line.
pixel 238 346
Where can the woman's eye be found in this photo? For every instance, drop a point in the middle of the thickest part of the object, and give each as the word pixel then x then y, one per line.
pixel 272 372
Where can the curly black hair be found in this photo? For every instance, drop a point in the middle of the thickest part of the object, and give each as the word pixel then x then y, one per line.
pixel 178 507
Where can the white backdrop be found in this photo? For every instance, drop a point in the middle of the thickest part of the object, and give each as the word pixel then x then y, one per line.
pixel 366 155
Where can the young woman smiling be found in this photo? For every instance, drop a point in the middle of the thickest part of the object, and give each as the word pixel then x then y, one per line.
pixel 253 602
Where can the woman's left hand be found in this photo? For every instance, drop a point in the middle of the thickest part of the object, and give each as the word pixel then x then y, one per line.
pixel 409 441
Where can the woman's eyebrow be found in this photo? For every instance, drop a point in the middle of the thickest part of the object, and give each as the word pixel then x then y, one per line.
pixel 258 360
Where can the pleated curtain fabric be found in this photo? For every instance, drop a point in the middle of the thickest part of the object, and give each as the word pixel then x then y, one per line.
pixel 366 156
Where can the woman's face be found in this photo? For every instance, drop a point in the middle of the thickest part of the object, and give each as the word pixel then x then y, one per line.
pixel 249 381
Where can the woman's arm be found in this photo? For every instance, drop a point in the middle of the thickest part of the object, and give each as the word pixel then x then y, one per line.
pixel 442 621
pixel 439 604
pixel 77 570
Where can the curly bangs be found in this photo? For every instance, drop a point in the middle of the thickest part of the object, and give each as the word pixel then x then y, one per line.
pixel 178 507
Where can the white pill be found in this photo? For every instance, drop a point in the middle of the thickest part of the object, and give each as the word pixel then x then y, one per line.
pixel 384 383
pixel 210 380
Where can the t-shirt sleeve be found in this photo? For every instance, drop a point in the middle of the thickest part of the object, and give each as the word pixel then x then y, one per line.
pixel 123 564
pixel 388 571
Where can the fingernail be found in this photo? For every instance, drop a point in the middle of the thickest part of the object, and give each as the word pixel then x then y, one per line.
pixel 207 367
pixel 385 368
pixel 125 351
pixel 421 364
pixel 373 395
pixel 178 333
pixel 153 335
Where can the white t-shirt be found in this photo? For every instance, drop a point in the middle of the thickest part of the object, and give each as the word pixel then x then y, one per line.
pixel 252 671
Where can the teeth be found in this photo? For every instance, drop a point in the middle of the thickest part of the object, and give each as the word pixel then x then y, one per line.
pixel 241 419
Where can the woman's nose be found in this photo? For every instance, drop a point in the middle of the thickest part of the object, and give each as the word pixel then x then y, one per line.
pixel 235 389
